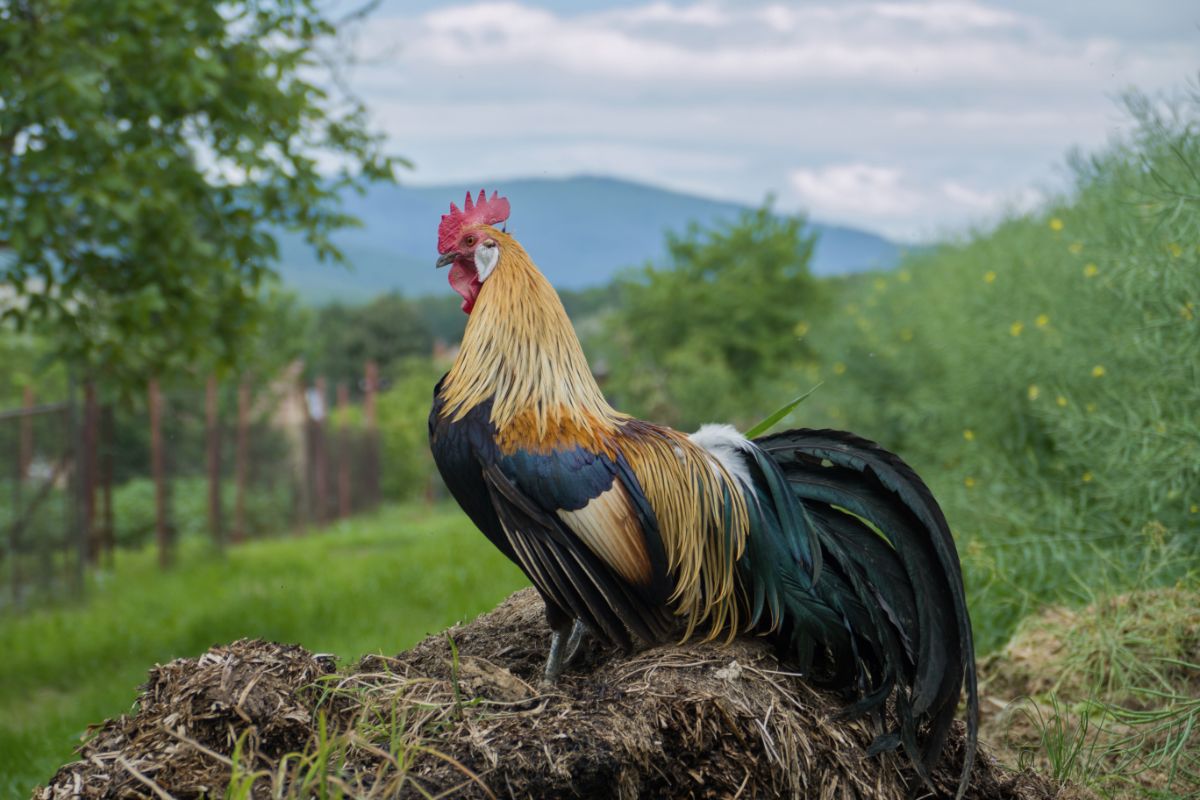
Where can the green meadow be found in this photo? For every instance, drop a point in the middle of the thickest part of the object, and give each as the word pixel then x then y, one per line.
pixel 1045 378
pixel 376 585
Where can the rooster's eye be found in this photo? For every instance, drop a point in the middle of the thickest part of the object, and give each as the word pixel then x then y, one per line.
pixel 470 241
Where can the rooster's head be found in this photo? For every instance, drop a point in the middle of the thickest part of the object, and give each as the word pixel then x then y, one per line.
pixel 469 244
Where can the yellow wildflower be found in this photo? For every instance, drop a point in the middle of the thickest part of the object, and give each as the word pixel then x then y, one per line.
pixel 1098 371
pixel 801 328
pixel 1090 408
pixel 1075 248
pixel 1042 320
pixel 1161 427
pixel 1034 392
pixel 969 482
pixel 839 368
pixel 1056 224
pixel 969 435
pixel 880 284
pixel 1185 311
pixel 1016 328
pixel 1090 270
pixel 1062 401
pixel 1175 250
pixel 904 276
pixel 989 276
pixel 1087 477
pixel 1195 509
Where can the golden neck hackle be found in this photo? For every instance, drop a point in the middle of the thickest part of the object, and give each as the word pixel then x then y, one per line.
pixel 520 350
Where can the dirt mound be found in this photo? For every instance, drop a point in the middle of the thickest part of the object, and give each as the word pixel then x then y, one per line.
pixel 252 696
pixel 462 714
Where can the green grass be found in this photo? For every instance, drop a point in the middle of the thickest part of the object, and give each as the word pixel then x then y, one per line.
pixel 376 584
pixel 1106 695
pixel 1042 376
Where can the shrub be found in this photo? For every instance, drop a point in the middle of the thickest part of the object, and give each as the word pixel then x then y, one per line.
pixel 1042 376
pixel 268 508
pixel 402 411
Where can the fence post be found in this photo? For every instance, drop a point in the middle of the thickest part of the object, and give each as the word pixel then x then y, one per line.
pixel 212 432
pixel 26 450
pixel 320 454
pixel 14 527
pixel 372 478
pixel 303 483
pixel 241 456
pixel 75 522
pixel 89 468
pixel 158 470
pixel 343 462
pixel 107 431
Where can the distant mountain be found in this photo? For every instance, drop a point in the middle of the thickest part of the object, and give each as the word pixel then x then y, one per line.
pixel 581 232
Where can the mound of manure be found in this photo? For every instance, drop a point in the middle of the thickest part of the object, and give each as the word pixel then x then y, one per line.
pixel 462 714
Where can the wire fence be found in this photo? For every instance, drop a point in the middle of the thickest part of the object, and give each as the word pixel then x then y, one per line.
pixel 227 461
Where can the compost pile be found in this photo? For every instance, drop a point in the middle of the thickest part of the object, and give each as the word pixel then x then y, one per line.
pixel 462 714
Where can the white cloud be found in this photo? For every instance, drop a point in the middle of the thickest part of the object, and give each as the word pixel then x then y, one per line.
pixel 842 190
pixel 890 198
pixel 888 43
pixel 952 17
pixel 704 15
pixel 975 98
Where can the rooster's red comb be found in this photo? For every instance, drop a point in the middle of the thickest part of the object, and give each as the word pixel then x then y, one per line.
pixel 485 210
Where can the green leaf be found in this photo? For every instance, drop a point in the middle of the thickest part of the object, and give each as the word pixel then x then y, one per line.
pixel 773 418
pixel 166 142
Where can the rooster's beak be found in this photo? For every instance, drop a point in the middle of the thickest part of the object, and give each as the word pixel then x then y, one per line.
pixel 447 259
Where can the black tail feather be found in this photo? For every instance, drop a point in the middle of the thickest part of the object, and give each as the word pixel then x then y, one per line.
pixel 886 545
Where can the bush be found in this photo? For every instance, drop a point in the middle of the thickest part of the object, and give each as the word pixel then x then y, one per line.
pixel 269 509
pixel 402 413
pixel 1042 376
pixel 696 341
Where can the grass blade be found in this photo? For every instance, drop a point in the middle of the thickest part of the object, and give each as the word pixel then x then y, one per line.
pixel 771 420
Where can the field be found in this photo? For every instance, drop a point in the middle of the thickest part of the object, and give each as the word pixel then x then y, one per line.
pixel 374 586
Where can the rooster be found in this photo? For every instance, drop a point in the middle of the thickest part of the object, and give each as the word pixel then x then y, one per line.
pixel 821 540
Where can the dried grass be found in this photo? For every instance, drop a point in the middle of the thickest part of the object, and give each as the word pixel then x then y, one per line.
pixel 1105 695
pixel 462 715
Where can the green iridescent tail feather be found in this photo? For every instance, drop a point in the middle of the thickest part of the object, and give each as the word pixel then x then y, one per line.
pixel 851 564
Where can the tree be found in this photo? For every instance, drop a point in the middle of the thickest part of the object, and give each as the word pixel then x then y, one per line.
pixel 148 150
pixel 388 330
pixel 699 339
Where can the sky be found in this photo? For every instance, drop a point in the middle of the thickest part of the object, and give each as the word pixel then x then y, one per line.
pixel 913 119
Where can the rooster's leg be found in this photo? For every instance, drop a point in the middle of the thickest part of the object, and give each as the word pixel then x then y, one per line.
pixel 573 642
pixel 562 651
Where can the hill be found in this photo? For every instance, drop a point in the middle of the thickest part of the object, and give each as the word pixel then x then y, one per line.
pixel 582 231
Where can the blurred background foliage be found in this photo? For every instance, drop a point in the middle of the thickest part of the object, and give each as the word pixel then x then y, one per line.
pixel 150 151
pixel 1044 375
pixel 701 336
